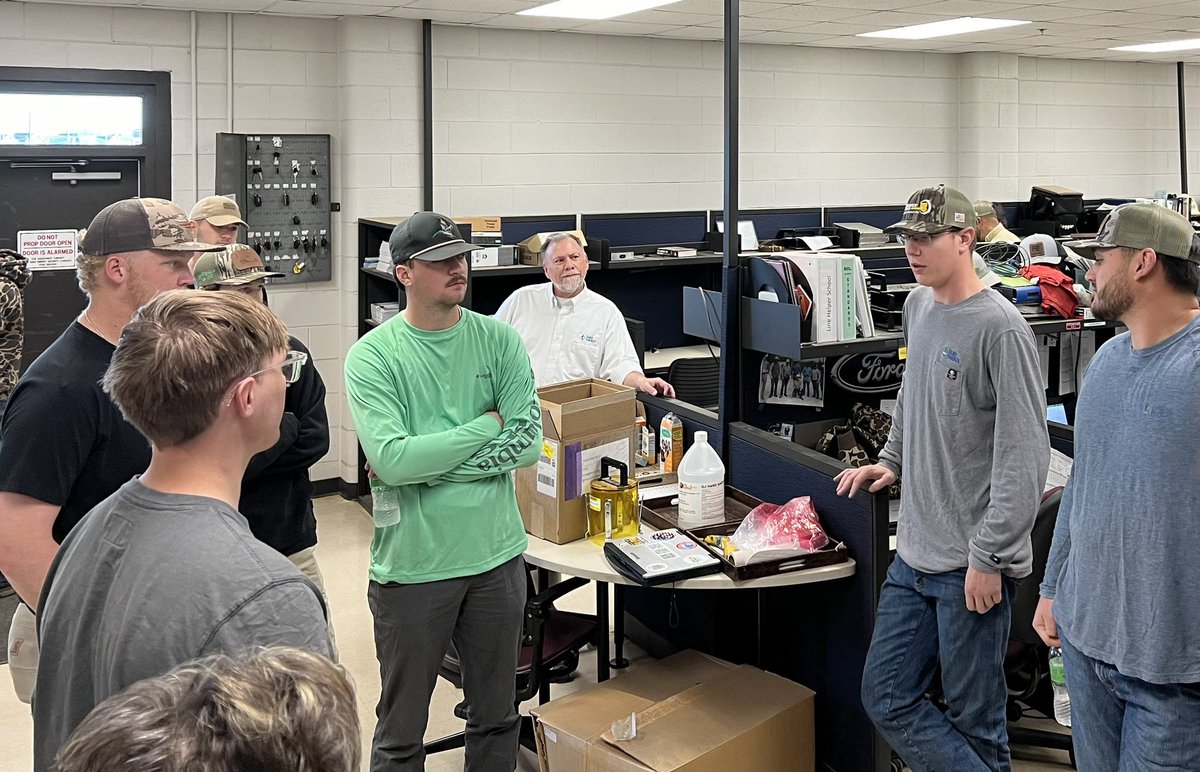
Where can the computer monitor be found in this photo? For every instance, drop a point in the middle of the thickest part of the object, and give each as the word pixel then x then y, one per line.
pixel 1057 412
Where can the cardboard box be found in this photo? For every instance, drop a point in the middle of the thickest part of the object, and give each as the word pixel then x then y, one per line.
pixel 492 256
pixel 486 224
pixel 582 421
pixel 531 248
pixel 695 713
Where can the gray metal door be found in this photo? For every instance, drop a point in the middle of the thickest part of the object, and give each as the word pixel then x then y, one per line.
pixel 57 194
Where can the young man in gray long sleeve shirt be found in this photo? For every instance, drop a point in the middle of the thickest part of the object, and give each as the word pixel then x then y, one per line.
pixel 970 426
pixel 1122 574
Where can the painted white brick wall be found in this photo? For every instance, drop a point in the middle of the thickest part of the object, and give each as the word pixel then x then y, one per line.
pixel 542 122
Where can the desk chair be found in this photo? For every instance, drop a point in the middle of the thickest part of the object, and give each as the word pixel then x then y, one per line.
pixel 697 380
pixel 549 654
pixel 1025 667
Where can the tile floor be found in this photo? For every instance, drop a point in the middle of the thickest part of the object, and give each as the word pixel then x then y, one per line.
pixel 345 533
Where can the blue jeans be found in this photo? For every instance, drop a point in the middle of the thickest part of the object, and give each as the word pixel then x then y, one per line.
pixel 1123 723
pixel 922 624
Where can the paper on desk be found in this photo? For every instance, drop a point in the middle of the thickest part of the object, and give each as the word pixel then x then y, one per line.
pixel 745 557
pixel 658 492
pixel 746 231
pixel 817 242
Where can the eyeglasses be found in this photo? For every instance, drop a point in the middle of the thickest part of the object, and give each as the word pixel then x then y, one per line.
pixel 920 239
pixel 291 367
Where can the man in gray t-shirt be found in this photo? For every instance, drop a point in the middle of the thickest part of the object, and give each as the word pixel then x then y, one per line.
pixel 165 570
pixel 970 428
pixel 1119 590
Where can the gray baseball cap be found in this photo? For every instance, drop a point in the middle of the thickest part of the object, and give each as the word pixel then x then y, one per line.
pixel 1141 225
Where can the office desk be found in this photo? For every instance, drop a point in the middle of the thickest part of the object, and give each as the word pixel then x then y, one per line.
pixel 582 558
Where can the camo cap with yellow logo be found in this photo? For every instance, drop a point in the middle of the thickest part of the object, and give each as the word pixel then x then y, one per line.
pixel 234 265
pixel 136 224
pixel 1142 225
pixel 933 210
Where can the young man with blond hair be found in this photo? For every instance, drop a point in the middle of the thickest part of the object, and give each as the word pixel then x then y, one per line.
pixel 165 570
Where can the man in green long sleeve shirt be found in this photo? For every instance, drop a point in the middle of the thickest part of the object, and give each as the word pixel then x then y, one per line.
pixel 444 404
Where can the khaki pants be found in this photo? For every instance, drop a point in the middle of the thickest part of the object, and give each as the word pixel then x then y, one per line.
pixel 306 561
pixel 23 652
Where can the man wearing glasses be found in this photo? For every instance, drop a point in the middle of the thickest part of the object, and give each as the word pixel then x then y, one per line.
pixel 65 446
pixel 970 425
pixel 165 570
pixel 570 331
pixel 276 492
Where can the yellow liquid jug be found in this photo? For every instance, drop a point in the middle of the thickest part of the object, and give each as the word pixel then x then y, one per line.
pixel 612 505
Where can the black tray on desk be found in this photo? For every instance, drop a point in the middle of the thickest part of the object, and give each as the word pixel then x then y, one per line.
pixel 661 514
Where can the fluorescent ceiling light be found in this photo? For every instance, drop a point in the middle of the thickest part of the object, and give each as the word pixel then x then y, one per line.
pixel 939 29
pixel 593 9
pixel 1157 48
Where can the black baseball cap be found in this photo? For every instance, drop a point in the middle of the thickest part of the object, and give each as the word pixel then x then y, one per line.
pixel 427 236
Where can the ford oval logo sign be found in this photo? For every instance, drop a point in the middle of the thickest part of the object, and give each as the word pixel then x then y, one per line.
pixel 869 373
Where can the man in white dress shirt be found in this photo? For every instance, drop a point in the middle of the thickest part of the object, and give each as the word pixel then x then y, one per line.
pixel 570 331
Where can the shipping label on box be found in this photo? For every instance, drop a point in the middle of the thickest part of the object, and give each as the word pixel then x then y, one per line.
pixel 547 469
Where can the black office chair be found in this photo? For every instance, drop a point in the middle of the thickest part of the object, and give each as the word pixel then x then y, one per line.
pixel 1025 667
pixel 697 380
pixel 549 654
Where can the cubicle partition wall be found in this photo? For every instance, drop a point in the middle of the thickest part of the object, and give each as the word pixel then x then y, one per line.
pixel 818 634
pixel 880 216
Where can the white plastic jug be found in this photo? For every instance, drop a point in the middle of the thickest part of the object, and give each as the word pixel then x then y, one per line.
pixel 701 485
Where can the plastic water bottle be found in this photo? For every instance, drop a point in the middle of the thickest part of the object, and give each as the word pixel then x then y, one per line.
pixel 701 485
pixel 1058 680
pixel 385 504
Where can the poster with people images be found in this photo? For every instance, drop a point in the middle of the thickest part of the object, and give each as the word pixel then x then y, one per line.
pixel 783 381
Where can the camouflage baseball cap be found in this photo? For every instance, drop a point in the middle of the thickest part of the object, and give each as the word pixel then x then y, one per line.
pixel 982 209
pixel 933 210
pixel 1141 225
pixel 141 223
pixel 219 211
pixel 234 265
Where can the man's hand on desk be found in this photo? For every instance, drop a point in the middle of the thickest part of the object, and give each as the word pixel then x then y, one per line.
pixel 850 480
pixel 651 386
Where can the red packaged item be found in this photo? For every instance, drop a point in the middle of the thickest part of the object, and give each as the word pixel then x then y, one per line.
pixel 794 525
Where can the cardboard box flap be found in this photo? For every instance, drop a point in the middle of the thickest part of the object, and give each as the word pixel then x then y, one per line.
pixel 689 725
pixel 667 677
pixel 589 713
pixel 579 408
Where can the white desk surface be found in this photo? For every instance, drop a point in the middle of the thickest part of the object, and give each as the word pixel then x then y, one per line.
pixel 582 558
pixel 663 357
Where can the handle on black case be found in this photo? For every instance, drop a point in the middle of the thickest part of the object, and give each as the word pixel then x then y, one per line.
pixel 607 462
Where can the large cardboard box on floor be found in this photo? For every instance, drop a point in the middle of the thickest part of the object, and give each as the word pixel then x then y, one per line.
pixel 695 713
pixel 582 421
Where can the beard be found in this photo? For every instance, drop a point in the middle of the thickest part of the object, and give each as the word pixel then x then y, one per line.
pixel 570 285
pixel 141 292
pixel 1113 302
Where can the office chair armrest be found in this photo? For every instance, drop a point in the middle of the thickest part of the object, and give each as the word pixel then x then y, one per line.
pixel 541 602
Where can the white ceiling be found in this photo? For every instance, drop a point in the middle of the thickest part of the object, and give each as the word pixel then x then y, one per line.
pixel 1076 29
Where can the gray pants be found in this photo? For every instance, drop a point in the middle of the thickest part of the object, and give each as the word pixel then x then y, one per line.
pixel 414 625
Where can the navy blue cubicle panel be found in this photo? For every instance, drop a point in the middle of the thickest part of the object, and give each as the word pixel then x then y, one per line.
pixel 880 216
pixel 818 634
pixel 769 222
pixel 647 229
pixel 517 229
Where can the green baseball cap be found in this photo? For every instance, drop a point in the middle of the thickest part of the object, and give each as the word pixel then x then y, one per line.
pixel 1141 225
pixel 933 210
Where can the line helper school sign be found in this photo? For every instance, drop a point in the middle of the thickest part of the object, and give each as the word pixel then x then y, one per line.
pixel 48 250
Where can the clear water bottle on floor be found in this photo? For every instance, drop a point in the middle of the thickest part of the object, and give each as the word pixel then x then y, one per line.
pixel 1058 680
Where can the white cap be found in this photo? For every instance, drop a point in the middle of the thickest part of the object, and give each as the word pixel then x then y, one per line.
pixel 700 437
pixel 1041 249
pixel 983 271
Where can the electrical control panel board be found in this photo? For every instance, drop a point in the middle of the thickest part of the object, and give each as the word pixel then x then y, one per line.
pixel 281 182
